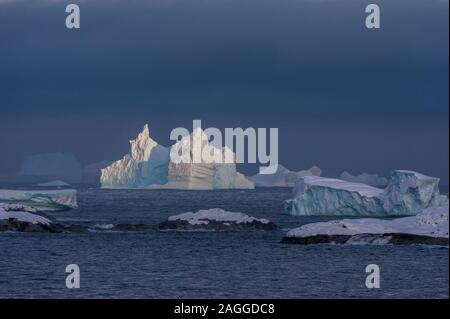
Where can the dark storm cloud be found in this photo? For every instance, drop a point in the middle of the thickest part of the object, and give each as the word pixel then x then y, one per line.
pixel 308 67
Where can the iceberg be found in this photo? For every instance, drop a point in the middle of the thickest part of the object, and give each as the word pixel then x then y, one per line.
pixel 364 178
pixel 148 166
pixel 283 177
pixel 407 193
pixel 56 183
pixel 428 227
pixel 216 219
pixel 50 166
pixel 46 200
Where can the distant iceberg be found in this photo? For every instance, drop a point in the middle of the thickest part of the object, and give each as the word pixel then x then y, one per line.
pixel 56 183
pixel 407 193
pixel 148 166
pixel 428 227
pixel 50 166
pixel 46 200
pixel 283 177
pixel 364 178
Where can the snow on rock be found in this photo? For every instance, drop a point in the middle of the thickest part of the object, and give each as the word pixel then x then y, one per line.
pixel 46 200
pixel 148 166
pixel 432 222
pixel 283 177
pixel 56 183
pixel 22 218
pixel 50 166
pixel 364 178
pixel 407 193
pixel 216 218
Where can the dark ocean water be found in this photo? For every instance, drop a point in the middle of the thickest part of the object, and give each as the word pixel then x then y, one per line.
pixel 172 264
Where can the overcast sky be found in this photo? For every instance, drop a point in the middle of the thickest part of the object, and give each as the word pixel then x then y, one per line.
pixel 343 97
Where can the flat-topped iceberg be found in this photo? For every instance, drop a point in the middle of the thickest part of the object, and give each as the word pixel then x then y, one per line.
pixel 407 193
pixel 45 200
pixel 148 166
pixel 364 178
pixel 22 218
pixel 216 219
pixel 56 183
pixel 283 177
pixel 428 227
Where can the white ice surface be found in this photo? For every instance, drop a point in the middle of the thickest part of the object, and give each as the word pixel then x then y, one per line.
pixel 431 222
pixel 216 214
pixel 21 213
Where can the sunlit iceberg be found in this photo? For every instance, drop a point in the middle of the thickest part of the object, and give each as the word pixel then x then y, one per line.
pixel 407 193
pixel 148 166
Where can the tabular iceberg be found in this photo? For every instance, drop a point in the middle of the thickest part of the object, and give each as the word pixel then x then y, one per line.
pixel 283 177
pixel 428 227
pixel 407 193
pixel 49 201
pixel 364 178
pixel 149 166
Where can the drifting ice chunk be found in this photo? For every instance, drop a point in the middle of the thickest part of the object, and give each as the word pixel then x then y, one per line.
pixel 364 178
pixel 432 222
pixel 55 200
pixel 407 193
pixel 283 177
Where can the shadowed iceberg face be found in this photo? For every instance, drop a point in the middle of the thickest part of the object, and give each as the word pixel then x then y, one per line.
pixel 407 193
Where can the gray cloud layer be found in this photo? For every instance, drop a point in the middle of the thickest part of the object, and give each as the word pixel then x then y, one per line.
pixel 344 97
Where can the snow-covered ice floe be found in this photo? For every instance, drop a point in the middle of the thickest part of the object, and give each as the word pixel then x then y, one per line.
pixel 407 193
pixel 22 218
pixel 428 227
pixel 45 200
pixel 283 177
pixel 148 166
pixel 216 219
